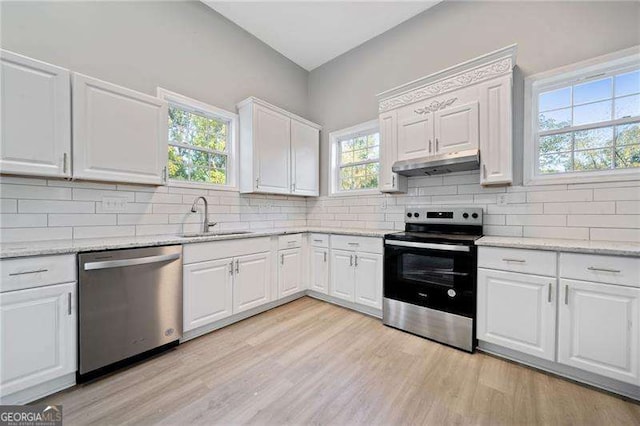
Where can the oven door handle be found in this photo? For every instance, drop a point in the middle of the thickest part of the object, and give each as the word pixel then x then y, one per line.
pixel 431 246
pixel 445 272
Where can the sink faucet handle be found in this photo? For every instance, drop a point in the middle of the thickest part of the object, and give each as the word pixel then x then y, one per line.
pixel 211 225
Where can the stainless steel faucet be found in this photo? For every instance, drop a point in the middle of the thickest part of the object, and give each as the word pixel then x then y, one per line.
pixel 205 223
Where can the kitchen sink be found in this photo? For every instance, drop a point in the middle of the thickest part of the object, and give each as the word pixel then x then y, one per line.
pixel 213 234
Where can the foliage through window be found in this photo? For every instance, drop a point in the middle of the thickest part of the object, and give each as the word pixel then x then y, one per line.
pixel 358 159
pixel 589 125
pixel 198 146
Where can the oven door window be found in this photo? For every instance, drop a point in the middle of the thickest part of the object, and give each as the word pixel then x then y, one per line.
pixel 424 269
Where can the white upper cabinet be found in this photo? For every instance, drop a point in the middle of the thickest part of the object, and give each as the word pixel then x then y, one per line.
pixel 415 133
pixel 599 329
pixel 465 107
pixel 456 128
pixel 305 159
pixel 36 117
pixel 119 135
pixel 389 181
pixel 279 151
pixel 495 131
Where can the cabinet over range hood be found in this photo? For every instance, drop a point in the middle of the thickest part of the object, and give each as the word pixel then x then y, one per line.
pixel 439 164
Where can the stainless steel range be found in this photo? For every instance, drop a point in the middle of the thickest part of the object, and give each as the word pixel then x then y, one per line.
pixel 430 275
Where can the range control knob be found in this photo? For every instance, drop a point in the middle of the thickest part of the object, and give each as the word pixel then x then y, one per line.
pixel 416 214
pixel 451 292
pixel 409 215
pixel 465 215
pixel 475 215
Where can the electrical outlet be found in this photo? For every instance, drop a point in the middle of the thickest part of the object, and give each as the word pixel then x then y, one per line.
pixel 383 204
pixel 114 204
pixel 502 200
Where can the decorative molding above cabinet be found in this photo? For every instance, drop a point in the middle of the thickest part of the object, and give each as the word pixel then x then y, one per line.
pixel 465 107
pixel 279 151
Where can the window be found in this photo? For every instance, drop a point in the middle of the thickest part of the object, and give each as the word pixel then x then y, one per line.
pixel 355 166
pixel 201 143
pixel 584 123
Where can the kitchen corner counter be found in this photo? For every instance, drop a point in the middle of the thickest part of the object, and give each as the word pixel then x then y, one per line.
pixel 613 248
pixel 40 248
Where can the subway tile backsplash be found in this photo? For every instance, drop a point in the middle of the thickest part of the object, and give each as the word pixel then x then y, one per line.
pixel 38 209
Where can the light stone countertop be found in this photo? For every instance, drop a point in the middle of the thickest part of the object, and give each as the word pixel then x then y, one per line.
pixel 40 248
pixel 613 248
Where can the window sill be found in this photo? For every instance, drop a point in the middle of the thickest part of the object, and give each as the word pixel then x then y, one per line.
pixel 355 193
pixel 203 186
pixel 586 177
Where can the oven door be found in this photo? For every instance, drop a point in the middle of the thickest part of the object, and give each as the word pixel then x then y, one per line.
pixel 437 276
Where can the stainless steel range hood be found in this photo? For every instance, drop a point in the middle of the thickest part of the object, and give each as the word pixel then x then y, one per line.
pixel 439 164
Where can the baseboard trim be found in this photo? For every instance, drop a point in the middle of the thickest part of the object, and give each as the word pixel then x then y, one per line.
pixel 345 304
pixel 39 391
pixel 581 377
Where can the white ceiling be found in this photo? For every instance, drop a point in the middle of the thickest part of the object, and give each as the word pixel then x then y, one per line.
pixel 311 33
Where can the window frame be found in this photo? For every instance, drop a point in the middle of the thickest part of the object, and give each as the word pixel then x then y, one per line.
pixel 335 137
pixel 581 72
pixel 201 108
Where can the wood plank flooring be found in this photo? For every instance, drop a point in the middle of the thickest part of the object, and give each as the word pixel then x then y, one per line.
pixel 310 362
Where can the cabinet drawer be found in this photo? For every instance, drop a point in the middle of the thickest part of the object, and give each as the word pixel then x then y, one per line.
pixel 603 269
pixel 536 262
pixel 212 250
pixel 289 241
pixel 28 272
pixel 319 240
pixel 364 244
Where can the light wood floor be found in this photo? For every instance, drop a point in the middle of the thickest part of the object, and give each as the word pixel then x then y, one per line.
pixel 309 362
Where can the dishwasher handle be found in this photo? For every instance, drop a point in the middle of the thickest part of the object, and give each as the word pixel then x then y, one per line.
pixel 92 266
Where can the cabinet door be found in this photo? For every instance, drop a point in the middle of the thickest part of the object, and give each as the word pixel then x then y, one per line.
pixel 272 139
pixel 369 279
pixel 389 181
pixel 456 128
pixel 320 269
pixel 36 117
pixel 517 311
pixel 289 271
pixel 208 293
pixel 342 275
pixel 495 131
pixel 599 329
pixel 38 336
pixel 251 281
pixel 415 133
pixel 305 159
pixel 119 135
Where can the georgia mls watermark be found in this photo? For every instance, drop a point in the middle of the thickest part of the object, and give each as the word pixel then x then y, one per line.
pixel 31 415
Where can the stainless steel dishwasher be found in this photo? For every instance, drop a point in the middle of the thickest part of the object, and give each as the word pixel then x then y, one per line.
pixel 130 306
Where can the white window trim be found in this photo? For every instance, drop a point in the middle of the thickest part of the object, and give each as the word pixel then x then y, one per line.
pixel 232 159
pixel 334 137
pixel 560 77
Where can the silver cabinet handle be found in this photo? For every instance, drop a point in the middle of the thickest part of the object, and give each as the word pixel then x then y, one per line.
pixel 393 180
pixel 549 293
pixel 351 260
pixel 437 143
pixel 294 187
pixel 429 146
pixel 356 262
pixel 325 256
pixel 231 268
pixel 317 241
pixel 593 268
pixel 566 294
pixel 354 244
pixel 237 266
pixel 69 303
pixel 164 174
pixel 484 170
pixel 92 266
pixel 282 259
pixel 37 271
pixel 506 259
pixel 257 182
pixel 64 163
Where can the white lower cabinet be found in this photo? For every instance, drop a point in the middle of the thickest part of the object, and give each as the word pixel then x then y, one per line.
pixel 207 292
pixel 289 271
pixel 319 263
pixel 368 268
pixel 599 329
pixel 517 311
pixel 37 337
pixel 343 279
pixel 251 281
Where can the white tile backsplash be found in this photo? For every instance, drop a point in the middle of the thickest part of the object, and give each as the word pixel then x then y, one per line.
pixel 39 209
